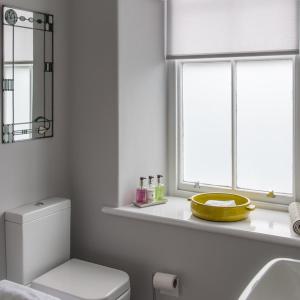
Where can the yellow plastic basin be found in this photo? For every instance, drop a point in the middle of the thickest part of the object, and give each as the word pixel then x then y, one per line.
pixel 221 214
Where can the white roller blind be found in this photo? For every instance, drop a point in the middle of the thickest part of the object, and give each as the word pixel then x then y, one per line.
pixel 231 27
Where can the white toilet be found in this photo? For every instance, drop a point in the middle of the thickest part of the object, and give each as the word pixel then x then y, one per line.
pixel 38 254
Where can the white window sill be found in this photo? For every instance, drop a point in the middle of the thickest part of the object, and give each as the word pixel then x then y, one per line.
pixel 264 225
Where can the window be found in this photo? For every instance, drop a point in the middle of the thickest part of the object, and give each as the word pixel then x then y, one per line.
pixel 233 124
pixel 235 127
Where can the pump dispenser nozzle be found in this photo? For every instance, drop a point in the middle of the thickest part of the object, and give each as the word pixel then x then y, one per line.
pixel 142 181
pixel 159 178
pixel 150 178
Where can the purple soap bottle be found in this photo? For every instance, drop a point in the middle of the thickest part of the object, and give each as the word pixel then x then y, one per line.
pixel 141 192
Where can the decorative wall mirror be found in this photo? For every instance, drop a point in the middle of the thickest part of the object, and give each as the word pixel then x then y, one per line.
pixel 27 75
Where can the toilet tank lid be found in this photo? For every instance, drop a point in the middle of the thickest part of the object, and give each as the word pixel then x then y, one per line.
pixel 36 210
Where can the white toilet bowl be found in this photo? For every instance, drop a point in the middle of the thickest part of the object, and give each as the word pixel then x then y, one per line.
pixel 77 279
pixel 38 254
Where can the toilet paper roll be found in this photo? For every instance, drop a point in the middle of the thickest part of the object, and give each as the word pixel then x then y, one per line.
pixel 167 284
pixel 294 210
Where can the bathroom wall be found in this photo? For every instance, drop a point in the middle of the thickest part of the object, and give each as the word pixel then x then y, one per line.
pixel 94 123
pixel 210 266
pixel 142 93
pixel 34 170
pixel 119 132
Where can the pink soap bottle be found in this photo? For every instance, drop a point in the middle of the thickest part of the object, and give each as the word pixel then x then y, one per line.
pixel 141 192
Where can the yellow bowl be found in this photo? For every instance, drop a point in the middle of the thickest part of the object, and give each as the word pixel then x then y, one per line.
pixel 221 214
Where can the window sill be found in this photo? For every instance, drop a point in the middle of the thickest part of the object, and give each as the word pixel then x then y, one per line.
pixel 263 225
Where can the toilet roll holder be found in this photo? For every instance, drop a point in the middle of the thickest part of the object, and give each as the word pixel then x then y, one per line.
pixel 172 289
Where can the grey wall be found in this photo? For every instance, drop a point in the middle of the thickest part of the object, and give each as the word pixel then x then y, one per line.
pixel 119 133
pixel 211 266
pixel 94 107
pixel 35 170
pixel 117 112
pixel 142 93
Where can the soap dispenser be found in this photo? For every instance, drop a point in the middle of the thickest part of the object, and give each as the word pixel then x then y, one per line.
pixel 141 192
pixel 150 189
pixel 159 189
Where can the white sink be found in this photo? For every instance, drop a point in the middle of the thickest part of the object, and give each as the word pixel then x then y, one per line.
pixel 277 280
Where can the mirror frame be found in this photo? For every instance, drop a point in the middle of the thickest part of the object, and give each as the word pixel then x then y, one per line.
pixel 42 122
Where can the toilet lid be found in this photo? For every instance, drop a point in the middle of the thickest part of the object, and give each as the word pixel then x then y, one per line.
pixel 79 279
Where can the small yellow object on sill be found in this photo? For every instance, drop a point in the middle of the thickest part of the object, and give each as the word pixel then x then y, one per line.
pixel 271 194
pixel 221 207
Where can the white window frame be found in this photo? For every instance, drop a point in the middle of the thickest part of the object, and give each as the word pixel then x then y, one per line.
pixel 175 178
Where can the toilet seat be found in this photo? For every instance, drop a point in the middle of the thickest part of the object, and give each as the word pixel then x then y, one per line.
pixel 77 279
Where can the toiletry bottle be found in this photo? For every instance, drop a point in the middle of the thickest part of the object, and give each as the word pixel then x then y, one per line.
pixel 150 189
pixel 159 189
pixel 141 192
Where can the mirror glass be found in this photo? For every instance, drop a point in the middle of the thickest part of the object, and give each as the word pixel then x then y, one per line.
pixel 27 75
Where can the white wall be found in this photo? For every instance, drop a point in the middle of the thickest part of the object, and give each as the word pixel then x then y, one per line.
pixel 102 96
pixel 34 170
pixel 211 266
pixel 142 93
pixel 94 108
pixel 129 104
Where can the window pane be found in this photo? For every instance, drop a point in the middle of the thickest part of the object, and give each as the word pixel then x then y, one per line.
pixel 22 97
pixel 20 112
pixel 265 125
pixel 206 100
